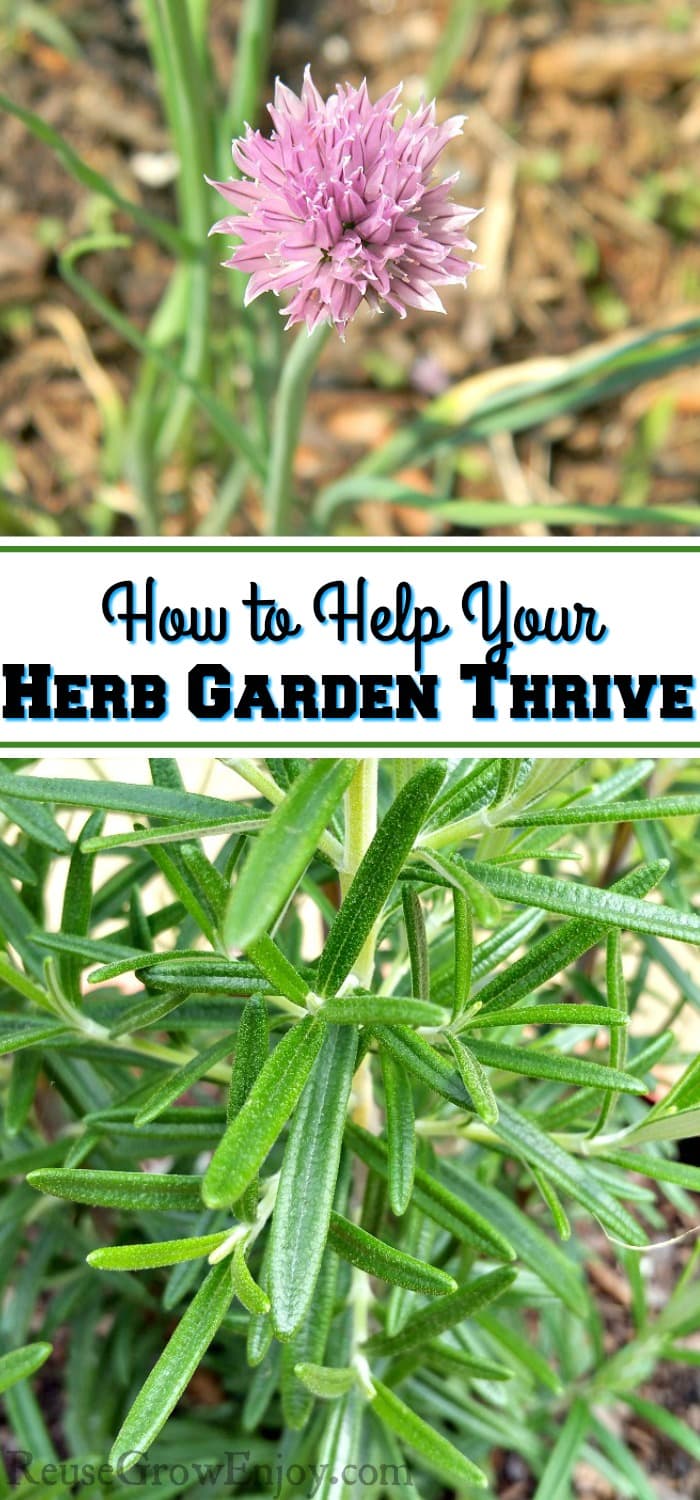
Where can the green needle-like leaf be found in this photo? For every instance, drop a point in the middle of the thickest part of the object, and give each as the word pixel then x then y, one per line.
pixel 553 953
pixel 282 851
pixel 19 1364
pixel 446 1312
pixel 379 1259
pixel 546 1015
pixel 617 1000
pixel 435 1450
pixel 189 858
pixel 187 970
pixel 247 821
pixel 252 1044
pixel 309 1343
pixel 682 1125
pixel 253 1132
pixel 368 1010
pixel 38 823
pixel 246 1288
pixel 21 982
pixel 280 974
pixel 464 950
pixel 307 1181
pixel 77 903
pixel 400 1129
pixel 131 1191
pixel 659 1168
pixel 575 900
pixel 533 1063
pixel 555 1479
pixel 21 1089
pixel 450 1357
pixel 570 1175
pixel 251 1053
pixel 115 796
pixel 324 1381
pixel 667 1422
pixel 376 875
pixel 416 937
pixel 154 1253
pixel 423 1060
pixel 444 1207
pixel 177 1083
pixel 474 1079
pixel 174 1370
pixel 641 810
pixel 15 1034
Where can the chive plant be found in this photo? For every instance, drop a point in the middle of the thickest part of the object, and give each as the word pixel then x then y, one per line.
pixel 309 1132
pixel 219 386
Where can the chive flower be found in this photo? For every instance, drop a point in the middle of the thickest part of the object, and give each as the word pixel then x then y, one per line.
pixel 342 203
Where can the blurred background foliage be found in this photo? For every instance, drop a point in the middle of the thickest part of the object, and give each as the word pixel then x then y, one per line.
pixel 137 394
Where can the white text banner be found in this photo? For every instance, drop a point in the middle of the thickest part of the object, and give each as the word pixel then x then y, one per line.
pixel 301 646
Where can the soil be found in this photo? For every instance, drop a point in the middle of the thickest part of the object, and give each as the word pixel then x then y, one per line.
pixel 582 139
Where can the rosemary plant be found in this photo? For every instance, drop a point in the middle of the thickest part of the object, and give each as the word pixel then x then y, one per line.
pixel 219 392
pixel 308 1139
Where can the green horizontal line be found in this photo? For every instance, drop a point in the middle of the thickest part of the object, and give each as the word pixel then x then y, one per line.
pixel 21 747
pixel 573 547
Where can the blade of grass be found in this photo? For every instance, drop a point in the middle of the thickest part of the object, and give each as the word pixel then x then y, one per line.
pixel 221 418
pixel 178 66
pixel 521 397
pixel 167 234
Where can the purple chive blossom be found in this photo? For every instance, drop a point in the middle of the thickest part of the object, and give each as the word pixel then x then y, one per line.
pixel 340 203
